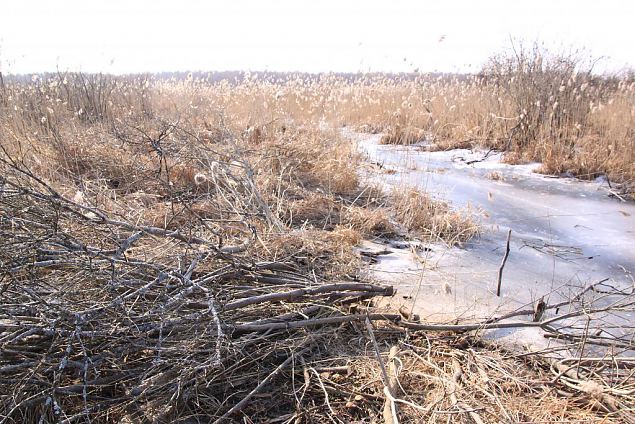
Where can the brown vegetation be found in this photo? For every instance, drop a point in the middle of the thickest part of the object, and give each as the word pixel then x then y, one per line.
pixel 144 232
pixel 532 104
pixel 182 251
pixel 433 218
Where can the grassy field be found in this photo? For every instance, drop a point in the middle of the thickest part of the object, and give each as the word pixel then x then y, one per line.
pixel 533 105
pixel 182 249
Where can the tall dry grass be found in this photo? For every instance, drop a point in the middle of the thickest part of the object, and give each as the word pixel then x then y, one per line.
pixel 121 131
pixel 433 218
pixel 258 170
pixel 532 104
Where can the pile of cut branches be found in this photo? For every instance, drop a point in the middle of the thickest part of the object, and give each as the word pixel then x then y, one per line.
pixel 103 318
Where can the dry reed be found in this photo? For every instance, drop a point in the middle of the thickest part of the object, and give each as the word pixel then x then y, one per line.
pixel 181 251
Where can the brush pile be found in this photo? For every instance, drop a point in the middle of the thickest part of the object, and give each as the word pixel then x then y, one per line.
pixel 104 318
pixel 151 269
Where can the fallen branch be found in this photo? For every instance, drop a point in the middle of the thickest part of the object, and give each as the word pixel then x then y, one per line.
pixel 315 322
pixel 390 408
pixel 333 289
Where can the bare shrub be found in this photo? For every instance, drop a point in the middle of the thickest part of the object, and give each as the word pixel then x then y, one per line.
pixel 549 93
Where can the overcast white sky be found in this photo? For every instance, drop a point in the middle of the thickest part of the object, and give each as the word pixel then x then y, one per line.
pixel 123 36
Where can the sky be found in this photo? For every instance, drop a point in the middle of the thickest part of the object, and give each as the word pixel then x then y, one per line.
pixel 126 36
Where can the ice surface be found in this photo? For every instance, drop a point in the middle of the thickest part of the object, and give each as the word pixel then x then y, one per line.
pixel 565 233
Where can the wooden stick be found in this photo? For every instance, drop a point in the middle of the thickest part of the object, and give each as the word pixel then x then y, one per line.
pixel 500 270
pixel 290 325
pixel 371 333
pixel 390 409
pixel 457 376
pixel 309 291
pixel 390 406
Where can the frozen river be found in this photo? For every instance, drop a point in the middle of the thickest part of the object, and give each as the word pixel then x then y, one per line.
pixel 565 234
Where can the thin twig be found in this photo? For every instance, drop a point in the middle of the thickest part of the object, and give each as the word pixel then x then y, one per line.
pixel 500 270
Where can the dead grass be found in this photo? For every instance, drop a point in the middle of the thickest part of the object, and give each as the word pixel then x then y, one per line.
pixel 535 105
pixel 438 375
pixel 495 176
pixel 400 135
pixel 369 222
pixel 432 218
pixel 327 253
